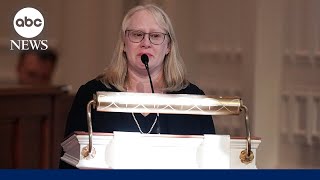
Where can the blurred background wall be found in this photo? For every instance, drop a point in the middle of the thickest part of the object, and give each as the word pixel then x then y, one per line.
pixel 266 51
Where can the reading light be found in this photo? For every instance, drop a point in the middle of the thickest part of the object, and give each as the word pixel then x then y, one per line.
pixel 169 104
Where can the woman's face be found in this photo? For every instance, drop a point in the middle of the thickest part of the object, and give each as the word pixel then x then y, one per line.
pixel 144 22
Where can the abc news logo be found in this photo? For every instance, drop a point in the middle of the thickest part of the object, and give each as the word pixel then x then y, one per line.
pixel 28 23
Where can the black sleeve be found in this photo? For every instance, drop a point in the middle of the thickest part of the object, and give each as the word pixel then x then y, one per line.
pixel 207 125
pixel 204 123
pixel 207 121
pixel 77 118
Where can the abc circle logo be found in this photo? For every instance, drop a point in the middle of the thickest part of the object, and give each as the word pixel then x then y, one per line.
pixel 28 22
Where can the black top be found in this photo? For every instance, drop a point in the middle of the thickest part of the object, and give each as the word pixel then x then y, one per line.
pixel 117 121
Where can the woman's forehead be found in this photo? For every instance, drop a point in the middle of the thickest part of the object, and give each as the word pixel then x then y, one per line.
pixel 144 19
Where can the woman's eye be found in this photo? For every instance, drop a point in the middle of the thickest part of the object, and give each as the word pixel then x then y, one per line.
pixel 138 34
pixel 155 35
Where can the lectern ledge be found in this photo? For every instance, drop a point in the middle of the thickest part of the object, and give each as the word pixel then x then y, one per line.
pixel 130 150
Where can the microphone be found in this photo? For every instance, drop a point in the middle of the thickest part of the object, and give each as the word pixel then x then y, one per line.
pixel 145 61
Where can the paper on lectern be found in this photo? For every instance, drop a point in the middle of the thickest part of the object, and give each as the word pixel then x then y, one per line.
pixel 131 150
pixel 215 152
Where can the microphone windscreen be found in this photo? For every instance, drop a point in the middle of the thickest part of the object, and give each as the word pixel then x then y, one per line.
pixel 145 59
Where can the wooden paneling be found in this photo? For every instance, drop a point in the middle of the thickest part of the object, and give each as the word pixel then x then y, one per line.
pixel 32 121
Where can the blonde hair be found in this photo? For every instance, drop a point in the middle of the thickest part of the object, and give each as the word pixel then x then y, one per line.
pixel 174 69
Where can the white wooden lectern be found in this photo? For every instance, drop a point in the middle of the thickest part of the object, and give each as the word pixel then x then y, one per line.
pixel 131 150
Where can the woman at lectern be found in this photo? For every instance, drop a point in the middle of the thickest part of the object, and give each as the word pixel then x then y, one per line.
pixel 146 38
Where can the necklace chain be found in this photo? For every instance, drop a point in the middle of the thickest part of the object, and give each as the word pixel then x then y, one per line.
pixel 137 123
pixel 154 123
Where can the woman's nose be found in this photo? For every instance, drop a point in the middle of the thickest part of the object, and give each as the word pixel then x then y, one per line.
pixel 146 41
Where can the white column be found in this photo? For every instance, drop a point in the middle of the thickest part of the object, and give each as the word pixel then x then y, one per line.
pixel 267 80
pixel 311 117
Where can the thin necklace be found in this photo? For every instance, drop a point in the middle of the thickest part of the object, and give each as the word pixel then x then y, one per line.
pixel 137 123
